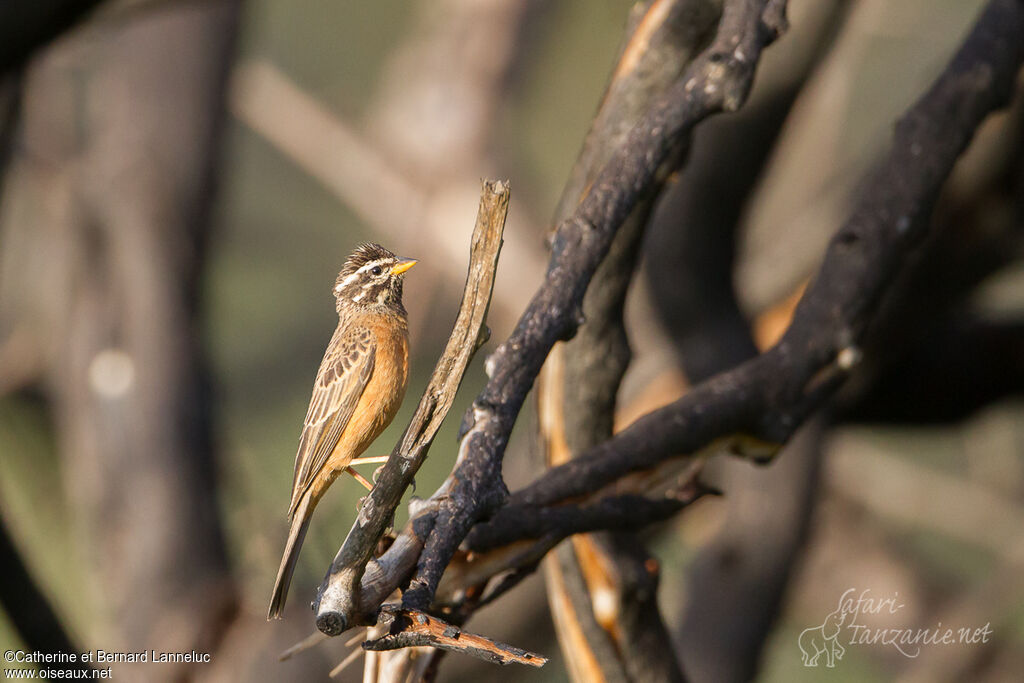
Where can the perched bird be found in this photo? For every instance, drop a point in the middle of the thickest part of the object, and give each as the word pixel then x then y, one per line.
pixel 358 389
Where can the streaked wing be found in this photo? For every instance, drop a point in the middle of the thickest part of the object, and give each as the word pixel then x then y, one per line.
pixel 344 374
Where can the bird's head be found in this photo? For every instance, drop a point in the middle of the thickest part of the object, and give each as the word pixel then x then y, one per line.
pixel 372 278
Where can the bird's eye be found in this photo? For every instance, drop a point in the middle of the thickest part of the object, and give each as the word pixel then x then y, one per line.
pixel 376 270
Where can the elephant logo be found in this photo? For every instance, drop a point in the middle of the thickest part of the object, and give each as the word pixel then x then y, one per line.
pixel 823 640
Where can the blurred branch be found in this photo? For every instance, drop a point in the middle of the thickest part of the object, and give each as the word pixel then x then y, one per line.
pixel 929 335
pixel 21 359
pixel 29 609
pixel 958 365
pixel 109 207
pixel 27 25
pixel 10 115
pixel 922 497
pixel 327 148
pixel 690 251
pixel 433 121
pixel 734 584
pixel 994 602
pixel 770 395
pixel 438 103
pixel 838 129
pixel 338 598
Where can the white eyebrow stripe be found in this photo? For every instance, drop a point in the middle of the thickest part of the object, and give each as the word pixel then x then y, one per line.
pixel 365 267
pixel 371 264
pixel 344 283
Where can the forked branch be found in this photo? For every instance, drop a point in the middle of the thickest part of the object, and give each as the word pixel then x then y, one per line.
pixel 718 80
pixel 770 396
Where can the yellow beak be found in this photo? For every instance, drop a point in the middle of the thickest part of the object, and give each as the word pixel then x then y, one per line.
pixel 403 265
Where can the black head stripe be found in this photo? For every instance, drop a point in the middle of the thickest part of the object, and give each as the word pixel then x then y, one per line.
pixel 357 284
pixel 364 255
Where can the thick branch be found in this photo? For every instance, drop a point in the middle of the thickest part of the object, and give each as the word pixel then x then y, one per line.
pixel 110 293
pixel 668 36
pixel 338 596
pixel 617 513
pixel 734 583
pixel 718 80
pixel 578 386
pixel 964 364
pixel 770 395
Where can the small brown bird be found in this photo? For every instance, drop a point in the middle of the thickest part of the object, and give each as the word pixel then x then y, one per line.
pixel 358 389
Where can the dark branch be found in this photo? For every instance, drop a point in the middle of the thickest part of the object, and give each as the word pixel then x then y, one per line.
pixel 28 608
pixel 160 558
pixel 640 624
pixel 620 513
pixel 26 25
pixel 734 583
pixel 769 396
pixel 964 364
pixel 718 80
pixel 578 386
pixel 929 357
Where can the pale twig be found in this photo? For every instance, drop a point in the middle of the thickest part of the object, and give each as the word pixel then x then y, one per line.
pixel 310 641
pixel 352 656
pixel 364 179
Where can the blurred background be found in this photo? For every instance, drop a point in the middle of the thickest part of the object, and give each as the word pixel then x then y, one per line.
pixel 182 181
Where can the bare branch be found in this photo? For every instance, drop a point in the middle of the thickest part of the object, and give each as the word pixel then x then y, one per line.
pixel 718 80
pixel 578 386
pixel 412 628
pixel 620 513
pixel 769 396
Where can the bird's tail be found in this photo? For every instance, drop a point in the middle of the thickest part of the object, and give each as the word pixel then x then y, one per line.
pixel 296 533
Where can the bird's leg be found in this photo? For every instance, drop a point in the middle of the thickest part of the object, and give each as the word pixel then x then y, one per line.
pixel 360 478
pixel 369 461
pixel 365 461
